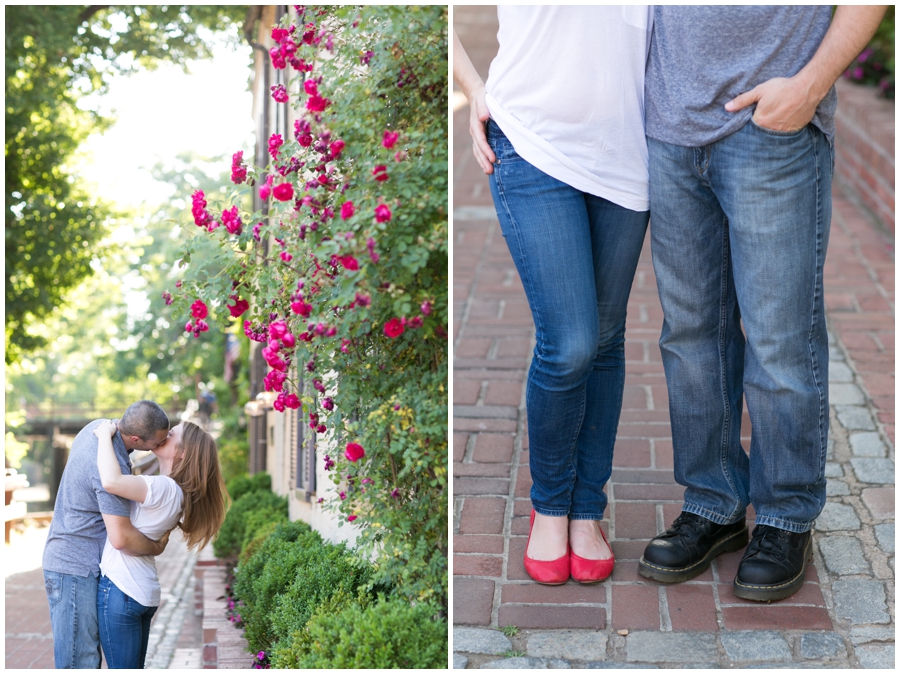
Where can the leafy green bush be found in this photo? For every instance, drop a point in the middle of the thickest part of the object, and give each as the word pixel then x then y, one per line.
pixel 322 571
pixel 244 484
pixel 254 508
pixel 388 634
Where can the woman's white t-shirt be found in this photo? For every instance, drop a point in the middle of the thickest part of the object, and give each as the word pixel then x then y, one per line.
pixel 567 89
pixel 160 511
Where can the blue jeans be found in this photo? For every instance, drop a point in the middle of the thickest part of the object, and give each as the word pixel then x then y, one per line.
pixel 124 626
pixel 576 255
pixel 73 619
pixel 739 233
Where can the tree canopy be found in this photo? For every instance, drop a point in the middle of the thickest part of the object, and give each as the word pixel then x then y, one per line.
pixel 55 56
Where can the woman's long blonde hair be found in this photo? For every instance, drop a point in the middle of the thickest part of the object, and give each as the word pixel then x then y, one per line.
pixel 200 478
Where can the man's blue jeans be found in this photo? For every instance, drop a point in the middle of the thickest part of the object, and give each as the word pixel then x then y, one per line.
pixel 576 255
pixel 73 617
pixel 739 233
pixel 124 626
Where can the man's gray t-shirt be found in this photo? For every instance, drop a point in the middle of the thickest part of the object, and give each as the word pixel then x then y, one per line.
pixel 702 56
pixel 77 532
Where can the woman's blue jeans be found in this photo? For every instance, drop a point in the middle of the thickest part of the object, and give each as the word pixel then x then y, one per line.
pixel 576 255
pixel 124 626
pixel 739 233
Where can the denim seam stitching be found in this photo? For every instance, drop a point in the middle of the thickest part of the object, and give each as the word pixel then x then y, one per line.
pixel 723 319
pixel 819 264
pixel 74 624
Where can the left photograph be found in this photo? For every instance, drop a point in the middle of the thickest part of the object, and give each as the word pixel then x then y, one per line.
pixel 226 337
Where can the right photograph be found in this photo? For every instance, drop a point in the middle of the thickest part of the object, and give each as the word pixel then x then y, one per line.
pixel 673 330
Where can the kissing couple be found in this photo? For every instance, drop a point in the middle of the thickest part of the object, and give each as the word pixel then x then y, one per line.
pixel 109 525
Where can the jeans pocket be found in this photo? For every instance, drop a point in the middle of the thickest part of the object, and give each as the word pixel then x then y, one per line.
pixel 776 134
pixel 53 587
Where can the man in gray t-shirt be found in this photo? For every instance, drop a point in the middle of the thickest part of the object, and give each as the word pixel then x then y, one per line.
pixel 84 515
pixel 740 127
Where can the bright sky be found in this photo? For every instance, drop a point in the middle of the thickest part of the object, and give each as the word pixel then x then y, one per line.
pixel 163 112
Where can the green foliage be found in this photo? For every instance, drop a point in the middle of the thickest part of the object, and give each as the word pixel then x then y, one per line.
pixel 54 56
pixel 244 484
pixel 390 395
pixel 388 634
pixel 246 516
pixel 510 630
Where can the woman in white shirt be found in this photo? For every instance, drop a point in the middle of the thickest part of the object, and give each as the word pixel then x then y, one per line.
pixel 189 493
pixel 559 129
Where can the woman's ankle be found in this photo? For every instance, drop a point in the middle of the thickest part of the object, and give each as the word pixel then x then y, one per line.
pixel 549 538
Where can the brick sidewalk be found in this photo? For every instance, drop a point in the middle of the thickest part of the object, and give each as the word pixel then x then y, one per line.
pixel 844 614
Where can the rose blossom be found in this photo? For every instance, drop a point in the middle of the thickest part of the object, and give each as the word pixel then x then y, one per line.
pixel 380 173
pixel 390 137
pixel 394 328
pixel 347 210
pixel 266 188
pixel 349 262
pixel 283 192
pixel 199 309
pixel 354 452
pixel 382 213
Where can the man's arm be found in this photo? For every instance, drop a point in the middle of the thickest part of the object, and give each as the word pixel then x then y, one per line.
pixel 125 538
pixel 789 103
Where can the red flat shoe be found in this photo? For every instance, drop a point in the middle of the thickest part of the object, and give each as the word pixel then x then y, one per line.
pixel 555 572
pixel 591 570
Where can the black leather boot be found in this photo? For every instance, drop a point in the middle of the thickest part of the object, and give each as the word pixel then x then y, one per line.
pixel 774 565
pixel 689 545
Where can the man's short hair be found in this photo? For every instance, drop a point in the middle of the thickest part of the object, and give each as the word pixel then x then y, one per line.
pixel 144 419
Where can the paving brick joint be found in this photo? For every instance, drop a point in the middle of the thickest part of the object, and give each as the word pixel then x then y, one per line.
pixel 842 617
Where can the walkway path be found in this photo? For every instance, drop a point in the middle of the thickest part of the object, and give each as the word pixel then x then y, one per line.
pixel 844 614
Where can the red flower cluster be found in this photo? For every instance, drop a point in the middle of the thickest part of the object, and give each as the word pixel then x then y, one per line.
pixel 199 309
pixel 238 170
pixel 239 307
pixel 275 142
pixel 201 216
pixel 279 93
pixel 347 210
pixel 232 220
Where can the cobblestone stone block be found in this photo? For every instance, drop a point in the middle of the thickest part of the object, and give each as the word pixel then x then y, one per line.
pixel 867 444
pixel 489 642
pixel 833 469
pixel 836 488
pixel 885 535
pixel 865 635
pixel 670 647
pixel 880 502
pixel 877 471
pixel 845 394
pixel 839 372
pixel 569 645
pixel 855 418
pixel 843 555
pixel 755 646
pixel 526 663
pixel 876 656
pixel 860 601
pixel 837 517
pixel 818 645
pixel 460 661
pixel 835 355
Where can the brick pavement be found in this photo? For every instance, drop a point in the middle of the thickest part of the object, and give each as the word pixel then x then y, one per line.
pixel 844 614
